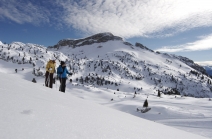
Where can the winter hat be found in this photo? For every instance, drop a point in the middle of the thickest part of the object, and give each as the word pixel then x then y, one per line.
pixel 52 59
pixel 62 63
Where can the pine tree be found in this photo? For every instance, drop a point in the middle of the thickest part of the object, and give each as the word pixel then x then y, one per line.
pixel 145 103
pixel 159 94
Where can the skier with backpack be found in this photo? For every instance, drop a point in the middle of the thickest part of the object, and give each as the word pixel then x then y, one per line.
pixel 62 72
pixel 50 70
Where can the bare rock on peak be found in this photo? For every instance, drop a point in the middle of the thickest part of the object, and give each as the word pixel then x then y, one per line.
pixel 98 38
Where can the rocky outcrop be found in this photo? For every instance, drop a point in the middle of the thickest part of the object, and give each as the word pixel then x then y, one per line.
pixel 143 47
pixel 191 63
pixel 98 38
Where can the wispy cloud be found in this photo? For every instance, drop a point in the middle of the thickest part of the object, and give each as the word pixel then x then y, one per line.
pixel 125 18
pixel 23 12
pixel 137 17
pixel 205 43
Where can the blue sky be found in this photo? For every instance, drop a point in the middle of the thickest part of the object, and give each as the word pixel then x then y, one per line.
pixel 182 27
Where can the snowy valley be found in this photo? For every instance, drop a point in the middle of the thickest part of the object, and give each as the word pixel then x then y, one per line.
pixel 116 74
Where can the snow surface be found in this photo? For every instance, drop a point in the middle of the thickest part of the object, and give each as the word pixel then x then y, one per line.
pixel 185 113
pixel 29 110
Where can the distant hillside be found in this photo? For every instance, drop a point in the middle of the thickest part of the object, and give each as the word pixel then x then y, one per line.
pixel 208 70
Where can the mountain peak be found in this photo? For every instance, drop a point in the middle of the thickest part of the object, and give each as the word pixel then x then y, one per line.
pixel 97 38
pixel 142 46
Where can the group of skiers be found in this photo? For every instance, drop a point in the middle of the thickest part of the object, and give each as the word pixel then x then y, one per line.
pixel 62 72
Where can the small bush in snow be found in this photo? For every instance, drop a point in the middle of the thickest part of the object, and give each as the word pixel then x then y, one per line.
pixel 159 94
pixel 34 81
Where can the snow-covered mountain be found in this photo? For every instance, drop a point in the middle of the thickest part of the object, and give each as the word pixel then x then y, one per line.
pixel 114 73
pixel 31 111
pixel 106 61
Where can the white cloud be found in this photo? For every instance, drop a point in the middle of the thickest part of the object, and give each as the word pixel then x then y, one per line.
pixel 130 18
pixel 125 18
pixel 205 63
pixel 23 12
pixel 205 43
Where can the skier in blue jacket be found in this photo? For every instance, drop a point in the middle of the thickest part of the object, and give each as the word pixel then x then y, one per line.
pixel 62 74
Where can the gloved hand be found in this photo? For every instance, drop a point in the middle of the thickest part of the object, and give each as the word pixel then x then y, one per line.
pixel 69 74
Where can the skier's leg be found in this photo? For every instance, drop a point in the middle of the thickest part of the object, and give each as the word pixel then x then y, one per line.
pixel 60 84
pixel 63 85
pixel 51 79
pixel 46 78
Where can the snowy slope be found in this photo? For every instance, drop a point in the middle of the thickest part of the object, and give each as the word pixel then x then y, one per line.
pixel 104 66
pixel 32 111
pixel 29 54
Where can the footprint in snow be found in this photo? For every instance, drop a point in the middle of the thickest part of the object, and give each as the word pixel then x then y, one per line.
pixel 26 112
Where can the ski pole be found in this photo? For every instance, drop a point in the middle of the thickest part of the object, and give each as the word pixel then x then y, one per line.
pixel 56 84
